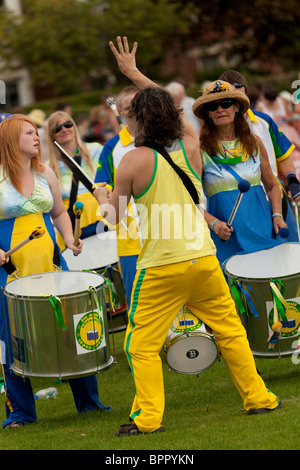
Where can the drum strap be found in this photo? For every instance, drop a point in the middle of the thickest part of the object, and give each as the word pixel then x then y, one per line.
pixel 11 269
pixel 184 177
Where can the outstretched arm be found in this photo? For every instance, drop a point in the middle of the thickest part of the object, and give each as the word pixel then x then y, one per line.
pixel 127 63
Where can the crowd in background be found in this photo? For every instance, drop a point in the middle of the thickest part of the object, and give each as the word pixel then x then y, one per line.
pixel 100 123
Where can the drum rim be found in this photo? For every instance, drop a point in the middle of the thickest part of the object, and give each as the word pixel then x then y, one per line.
pixel 46 296
pixel 259 279
pixel 179 336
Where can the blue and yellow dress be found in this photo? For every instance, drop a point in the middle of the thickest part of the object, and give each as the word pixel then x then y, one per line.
pixel 252 226
pixel 19 216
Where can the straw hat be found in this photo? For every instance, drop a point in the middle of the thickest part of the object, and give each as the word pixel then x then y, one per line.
pixel 37 116
pixel 219 90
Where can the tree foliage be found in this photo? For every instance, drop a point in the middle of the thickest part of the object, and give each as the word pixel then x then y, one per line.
pixel 63 43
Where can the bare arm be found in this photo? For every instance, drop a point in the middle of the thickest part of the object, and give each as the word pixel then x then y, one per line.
pixel 113 205
pixel 127 64
pixel 271 187
pixel 287 166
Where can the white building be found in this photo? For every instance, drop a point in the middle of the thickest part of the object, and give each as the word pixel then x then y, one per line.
pixel 17 83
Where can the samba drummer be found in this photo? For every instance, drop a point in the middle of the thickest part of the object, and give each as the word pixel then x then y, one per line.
pixel 231 155
pixel 62 129
pixel 30 197
pixel 171 271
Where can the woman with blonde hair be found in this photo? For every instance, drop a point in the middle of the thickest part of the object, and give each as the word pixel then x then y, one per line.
pixel 62 128
pixel 29 198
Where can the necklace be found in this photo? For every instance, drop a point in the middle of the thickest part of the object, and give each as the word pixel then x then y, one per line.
pixel 234 155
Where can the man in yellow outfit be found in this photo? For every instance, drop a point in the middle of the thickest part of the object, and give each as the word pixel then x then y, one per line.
pixel 177 265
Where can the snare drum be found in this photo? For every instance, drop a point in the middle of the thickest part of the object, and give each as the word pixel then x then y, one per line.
pixel 100 254
pixel 189 347
pixel 58 324
pixel 250 278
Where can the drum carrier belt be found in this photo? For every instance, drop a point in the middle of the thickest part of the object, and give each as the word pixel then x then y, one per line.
pixel 12 270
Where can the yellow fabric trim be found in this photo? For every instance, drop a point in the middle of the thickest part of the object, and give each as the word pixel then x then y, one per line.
pixel 22 258
pixel 287 154
pixel 125 137
pixel 252 116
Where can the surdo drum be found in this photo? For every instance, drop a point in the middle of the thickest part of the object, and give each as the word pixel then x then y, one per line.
pixel 190 347
pixel 100 254
pixel 262 283
pixel 58 324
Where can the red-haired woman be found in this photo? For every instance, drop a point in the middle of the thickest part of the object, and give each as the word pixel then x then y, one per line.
pixel 30 197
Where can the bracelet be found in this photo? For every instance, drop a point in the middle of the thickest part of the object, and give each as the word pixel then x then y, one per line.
pixel 212 225
pixel 276 215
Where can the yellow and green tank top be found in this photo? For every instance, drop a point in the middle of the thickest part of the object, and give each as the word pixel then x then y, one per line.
pixel 173 228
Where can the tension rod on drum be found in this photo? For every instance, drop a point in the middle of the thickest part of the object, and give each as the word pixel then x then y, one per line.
pixel 112 309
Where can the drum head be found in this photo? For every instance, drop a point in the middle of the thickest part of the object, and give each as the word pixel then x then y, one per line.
pixel 56 283
pixel 98 251
pixel 280 261
pixel 192 354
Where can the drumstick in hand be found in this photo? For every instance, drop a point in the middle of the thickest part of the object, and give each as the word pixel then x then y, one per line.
pixel 243 186
pixel 283 232
pixel 77 209
pixel 111 102
pixel 37 233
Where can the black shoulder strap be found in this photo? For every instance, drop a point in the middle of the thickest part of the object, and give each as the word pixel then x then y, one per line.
pixel 185 178
pixel 73 193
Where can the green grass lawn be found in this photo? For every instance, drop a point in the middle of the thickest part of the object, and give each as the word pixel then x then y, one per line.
pixel 202 413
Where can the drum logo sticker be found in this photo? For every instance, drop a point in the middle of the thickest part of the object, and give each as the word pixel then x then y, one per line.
pixel 186 321
pixel 89 331
pixel 292 323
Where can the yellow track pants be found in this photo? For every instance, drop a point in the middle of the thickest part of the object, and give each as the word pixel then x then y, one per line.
pixel 157 297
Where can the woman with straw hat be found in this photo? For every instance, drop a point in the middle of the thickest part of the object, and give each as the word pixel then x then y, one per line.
pixel 232 154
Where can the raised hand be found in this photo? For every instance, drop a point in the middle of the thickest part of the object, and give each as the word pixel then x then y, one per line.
pixel 125 59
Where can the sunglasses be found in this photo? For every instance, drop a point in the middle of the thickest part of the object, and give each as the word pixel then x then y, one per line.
pixel 67 125
pixel 225 104
pixel 238 85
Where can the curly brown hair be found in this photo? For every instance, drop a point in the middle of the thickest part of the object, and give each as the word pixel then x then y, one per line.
pixel 157 117
pixel 209 135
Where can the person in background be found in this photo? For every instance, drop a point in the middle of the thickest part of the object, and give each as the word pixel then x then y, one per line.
pixel 62 128
pixel 128 238
pixel 177 91
pixel 29 198
pixel 278 147
pixel 270 103
pixel 171 271
pixel 101 129
pixel 65 107
pixel 39 117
